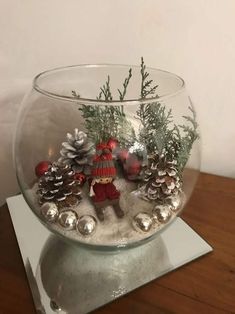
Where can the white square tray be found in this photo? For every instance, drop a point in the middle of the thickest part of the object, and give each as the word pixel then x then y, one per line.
pixel 80 280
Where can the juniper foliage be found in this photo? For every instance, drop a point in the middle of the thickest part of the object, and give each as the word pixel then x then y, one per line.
pixel 157 131
pixel 105 121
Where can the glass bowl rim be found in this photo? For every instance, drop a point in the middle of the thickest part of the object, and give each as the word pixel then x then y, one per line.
pixel 81 100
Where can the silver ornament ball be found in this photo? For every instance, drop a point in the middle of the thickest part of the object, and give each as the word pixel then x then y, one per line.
pixel 68 219
pixel 143 221
pixel 86 225
pixel 162 213
pixel 50 211
pixel 175 201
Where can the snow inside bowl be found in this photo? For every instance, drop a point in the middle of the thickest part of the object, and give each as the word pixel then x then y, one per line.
pixel 107 155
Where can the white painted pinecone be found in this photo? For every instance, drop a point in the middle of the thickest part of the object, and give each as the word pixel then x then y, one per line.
pixel 58 185
pixel 78 152
pixel 162 180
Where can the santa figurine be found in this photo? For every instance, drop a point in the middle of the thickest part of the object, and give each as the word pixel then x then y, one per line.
pixel 103 192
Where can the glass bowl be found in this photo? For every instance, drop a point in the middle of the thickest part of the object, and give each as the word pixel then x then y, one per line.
pixel 107 155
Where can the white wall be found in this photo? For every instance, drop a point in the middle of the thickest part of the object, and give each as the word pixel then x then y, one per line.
pixel 194 39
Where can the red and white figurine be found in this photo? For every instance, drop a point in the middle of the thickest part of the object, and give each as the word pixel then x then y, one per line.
pixel 103 192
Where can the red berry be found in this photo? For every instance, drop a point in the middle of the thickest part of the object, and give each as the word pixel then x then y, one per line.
pixel 42 167
pixel 79 176
pixel 113 143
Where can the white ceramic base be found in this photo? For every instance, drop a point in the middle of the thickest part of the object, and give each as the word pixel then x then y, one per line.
pixel 78 279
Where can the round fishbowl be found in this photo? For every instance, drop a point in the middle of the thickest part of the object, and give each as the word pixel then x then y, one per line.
pixel 107 155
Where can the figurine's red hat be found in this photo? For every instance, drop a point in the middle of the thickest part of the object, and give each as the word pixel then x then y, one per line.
pixel 103 165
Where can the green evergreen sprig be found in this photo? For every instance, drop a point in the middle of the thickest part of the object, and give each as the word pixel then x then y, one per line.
pixel 125 84
pixel 159 136
pixel 146 85
pixel 105 91
pixel 185 143
pixel 157 132
pixel 105 121
pixel 154 132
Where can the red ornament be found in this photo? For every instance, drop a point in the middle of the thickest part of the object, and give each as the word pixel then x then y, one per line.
pixel 133 168
pixel 42 167
pixel 80 177
pixel 113 143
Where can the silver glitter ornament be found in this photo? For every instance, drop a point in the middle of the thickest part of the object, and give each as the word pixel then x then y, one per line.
pixel 68 219
pixel 143 222
pixel 50 211
pixel 162 213
pixel 86 225
pixel 175 201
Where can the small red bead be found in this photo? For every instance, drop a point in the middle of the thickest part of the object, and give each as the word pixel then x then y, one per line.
pixel 42 167
pixel 113 143
pixel 79 176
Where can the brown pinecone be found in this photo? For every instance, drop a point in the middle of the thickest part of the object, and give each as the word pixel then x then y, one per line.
pixel 58 185
pixel 161 177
